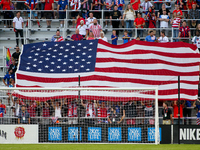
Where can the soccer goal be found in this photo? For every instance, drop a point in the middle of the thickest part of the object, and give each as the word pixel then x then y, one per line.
pixel 84 115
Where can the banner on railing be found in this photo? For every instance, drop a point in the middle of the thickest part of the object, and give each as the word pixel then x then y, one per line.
pixel 18 133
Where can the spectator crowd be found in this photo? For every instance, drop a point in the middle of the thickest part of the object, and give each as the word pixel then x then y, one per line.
pixel 122 17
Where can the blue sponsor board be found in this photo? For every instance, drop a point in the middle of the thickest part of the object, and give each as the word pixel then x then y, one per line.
pixel 73 133
pixel 94 134
pixel 55 134
pixel 151 134
pixel 114 134
pixel 134 134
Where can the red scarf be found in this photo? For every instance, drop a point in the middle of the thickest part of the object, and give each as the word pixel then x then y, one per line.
pixel 93 110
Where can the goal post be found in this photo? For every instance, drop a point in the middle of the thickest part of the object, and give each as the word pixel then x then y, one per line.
pixel 85 114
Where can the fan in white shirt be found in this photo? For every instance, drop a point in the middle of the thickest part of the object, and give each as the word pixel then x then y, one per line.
pixel 57 108
pixel 83 29
pixel 163 38
pixel 90 20
pixel 102 37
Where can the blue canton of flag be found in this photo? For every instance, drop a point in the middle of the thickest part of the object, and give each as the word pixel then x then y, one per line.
pixel 62 57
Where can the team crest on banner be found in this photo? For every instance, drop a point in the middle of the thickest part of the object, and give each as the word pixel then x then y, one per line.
pixel 73 134
pixel 134 134
pixel 94 134
pixel 55 134
pixel 19 132
pixel 151 134
pixel 114 134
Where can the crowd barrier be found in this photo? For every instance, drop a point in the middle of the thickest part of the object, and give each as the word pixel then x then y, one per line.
pixel 62 133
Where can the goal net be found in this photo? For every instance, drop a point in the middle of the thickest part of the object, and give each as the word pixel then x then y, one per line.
pixel 85 115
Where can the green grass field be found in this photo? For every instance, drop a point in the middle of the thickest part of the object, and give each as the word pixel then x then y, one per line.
pixel 98 147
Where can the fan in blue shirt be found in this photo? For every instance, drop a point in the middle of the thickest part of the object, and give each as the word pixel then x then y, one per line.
pixel 8 76
pixel 126 37
pixel 114 38
pixel 151 37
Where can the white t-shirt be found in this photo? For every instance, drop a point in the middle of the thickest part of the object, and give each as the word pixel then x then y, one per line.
pixel 164 24
pixel 18 22
pixel 196 41
pixel 163 39
pixel 90 111
pixel 57 112
pixel 82 29
pixel 104 38
pixel 89 20
pixel 129 15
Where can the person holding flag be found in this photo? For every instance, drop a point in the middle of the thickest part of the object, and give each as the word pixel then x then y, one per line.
pixel 8 58
pixel 57 37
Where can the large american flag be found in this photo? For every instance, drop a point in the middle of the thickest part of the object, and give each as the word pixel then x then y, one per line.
pixel 100 64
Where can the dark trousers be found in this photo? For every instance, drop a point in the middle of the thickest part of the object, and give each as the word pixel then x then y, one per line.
pixel 17 33
pixel 8 15
pixel 193 32
pixel 187 113
pixel 115 24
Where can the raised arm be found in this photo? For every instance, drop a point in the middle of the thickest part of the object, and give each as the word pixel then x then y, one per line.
pixel 95 104
pixel 61 103
pixel 84 105
pixel 52 104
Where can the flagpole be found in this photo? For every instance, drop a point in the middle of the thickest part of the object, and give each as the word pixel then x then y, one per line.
pixel 79 95
pixel 179 109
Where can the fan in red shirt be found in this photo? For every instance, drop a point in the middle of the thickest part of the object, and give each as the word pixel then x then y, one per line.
pixel 32 108
pixel 189 4
pixel 139 23
pixel 102 112
pixel 152 20
pixel 49 5
pixel 178 11
pixel 135 4
pixel 7 14
pixel 175 108
pixel 78 19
